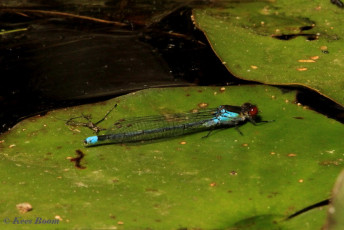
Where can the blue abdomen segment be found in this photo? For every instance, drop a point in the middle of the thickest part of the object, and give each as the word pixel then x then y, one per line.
pixel 91 140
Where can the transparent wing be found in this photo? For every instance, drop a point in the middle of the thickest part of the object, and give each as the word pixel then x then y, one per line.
pixel 128 125
pixel 158 127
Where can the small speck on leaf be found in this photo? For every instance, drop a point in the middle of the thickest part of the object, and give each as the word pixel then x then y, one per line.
pixel 24 207
pixel 323 47
pixel 77 160
pixel 233 173
pixel 58 218
pixel 299 118
pixel 213 184
pixel 203 105
pixel 307 61
pixel 301 69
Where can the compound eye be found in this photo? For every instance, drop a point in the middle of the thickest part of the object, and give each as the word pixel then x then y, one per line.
pixel 253 111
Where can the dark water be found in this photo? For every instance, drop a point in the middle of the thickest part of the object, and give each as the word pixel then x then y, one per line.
pixel 60 60
pixel 57 59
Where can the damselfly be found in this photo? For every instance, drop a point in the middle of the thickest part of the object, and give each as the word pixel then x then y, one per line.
pixel 172 125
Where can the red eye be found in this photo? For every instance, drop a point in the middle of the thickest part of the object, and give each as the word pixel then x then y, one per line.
pixel 253 111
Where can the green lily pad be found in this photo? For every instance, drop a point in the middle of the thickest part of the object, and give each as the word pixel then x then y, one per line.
pixel 223 181
pixel 247 38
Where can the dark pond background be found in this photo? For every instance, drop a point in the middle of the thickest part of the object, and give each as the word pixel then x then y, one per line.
pixel 50 57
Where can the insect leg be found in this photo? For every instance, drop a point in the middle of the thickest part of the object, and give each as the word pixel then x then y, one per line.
pixel 108 112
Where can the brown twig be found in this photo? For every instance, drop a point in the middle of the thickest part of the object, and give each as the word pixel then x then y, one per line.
pixel 64 14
